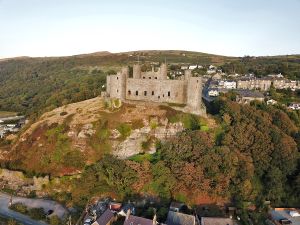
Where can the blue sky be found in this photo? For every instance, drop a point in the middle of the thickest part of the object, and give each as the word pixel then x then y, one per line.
pixel 225 27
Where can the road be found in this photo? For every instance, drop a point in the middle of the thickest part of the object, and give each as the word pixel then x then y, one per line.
pixel 46 204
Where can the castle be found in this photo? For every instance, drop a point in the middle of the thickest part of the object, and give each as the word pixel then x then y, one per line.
pixel 154 86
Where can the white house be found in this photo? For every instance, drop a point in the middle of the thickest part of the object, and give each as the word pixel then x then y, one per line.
pixel 192 67
pixel 213 93
pixel 271 102
pixel 229 84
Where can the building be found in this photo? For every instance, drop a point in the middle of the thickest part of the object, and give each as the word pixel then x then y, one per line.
pixel 294 106
pixel 285 216
pixel 246 96
pixel 107 218
pixel 249 83
pixel 177 218
pixel 154 86
pixel 213 92
pixel 281 83
pixel 271 102
pixel 216 221
pixel 136 220
pixel 176 206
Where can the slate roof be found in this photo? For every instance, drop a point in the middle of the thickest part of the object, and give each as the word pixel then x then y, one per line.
pixel 176 218
pixel 104 218
pixel 135 220
pixel 216 221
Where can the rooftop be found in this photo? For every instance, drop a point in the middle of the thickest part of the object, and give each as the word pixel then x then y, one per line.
pixel 135 220
pixel 284 213
pixel 105 217
pixel 216 221
pixel 176 218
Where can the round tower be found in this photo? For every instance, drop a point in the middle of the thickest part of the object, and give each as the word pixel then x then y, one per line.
pixel 122 83
pixel 137 71
pixel 163 72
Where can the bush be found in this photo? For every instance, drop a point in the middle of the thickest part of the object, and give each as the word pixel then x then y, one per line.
pixel 37 213
pixel 19 207
pixel 124 129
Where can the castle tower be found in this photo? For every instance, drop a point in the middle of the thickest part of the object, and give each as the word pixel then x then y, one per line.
pixel 122 82
pixel 136 71
pixel 163 72
pixel 194 93
pixel 187 74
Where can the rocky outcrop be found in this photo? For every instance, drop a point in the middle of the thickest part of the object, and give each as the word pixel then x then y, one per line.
pixel 132 145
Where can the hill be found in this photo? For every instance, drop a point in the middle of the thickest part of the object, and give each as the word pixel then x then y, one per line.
pixel 64 140
pixel 36 85
pixel 32 86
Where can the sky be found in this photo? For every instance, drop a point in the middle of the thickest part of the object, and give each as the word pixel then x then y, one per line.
pixel 225 27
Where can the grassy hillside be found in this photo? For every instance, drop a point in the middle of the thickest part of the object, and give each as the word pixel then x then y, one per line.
pixel 36 85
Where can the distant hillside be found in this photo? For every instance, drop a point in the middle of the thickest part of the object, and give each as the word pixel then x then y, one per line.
pixel 36 85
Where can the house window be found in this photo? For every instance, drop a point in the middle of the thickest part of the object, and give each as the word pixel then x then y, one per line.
pixel 129 92
pixel 169 93
pixel 145 93
pixel 152 92
pixel 136 93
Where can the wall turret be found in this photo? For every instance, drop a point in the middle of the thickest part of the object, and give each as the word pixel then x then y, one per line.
pixel 136 71
pixel 163 72
pixel 187 74
pixel 194 93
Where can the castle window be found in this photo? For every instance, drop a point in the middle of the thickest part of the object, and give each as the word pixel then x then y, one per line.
pixel 129 92
pixel 150 78
pixel 163 95
pixel 152 92
pixel 156 78
pixel 145 93
pixel 117 78
pixel 197 81
pixel 143 77
pixel 169 93
pixel 136 93
pixel 117 90
pixel 158 96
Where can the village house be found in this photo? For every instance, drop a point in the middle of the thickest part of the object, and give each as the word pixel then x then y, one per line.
pixel 136 220
pixel 177 218
pixel 246 96
pixel 294 106
pixel 249 83
pixel 281 216
pixel 107 218
pixel 281 83
pixel 216 221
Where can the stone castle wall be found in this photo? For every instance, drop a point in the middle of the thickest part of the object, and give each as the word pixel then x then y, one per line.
pixel 172 91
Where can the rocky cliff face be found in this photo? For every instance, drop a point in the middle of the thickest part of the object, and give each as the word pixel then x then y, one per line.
pixel 62 141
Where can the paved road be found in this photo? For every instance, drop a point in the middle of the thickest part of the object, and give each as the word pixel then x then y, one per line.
pixel 46 204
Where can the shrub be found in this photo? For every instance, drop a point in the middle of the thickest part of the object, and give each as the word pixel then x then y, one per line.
pixel 37 213
pixel 19 207
pixel 124 129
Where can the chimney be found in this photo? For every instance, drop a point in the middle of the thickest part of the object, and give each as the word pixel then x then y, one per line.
pixel 154 221
pixel 128 214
